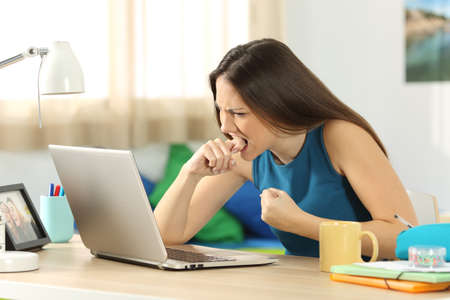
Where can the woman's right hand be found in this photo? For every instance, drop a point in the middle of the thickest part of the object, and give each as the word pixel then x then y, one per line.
pixel 214 157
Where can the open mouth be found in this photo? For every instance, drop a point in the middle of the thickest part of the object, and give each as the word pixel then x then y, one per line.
pixel 239 140
pixel 246 145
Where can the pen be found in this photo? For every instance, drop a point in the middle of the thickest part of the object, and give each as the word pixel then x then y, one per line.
pixel 403 221
pixel 61 193
pixel 57 188
pixel 50 190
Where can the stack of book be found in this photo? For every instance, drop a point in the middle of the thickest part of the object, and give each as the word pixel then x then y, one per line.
pixel 393 275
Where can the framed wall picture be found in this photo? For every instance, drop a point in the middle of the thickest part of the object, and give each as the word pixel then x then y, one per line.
pixel 24 229
pixel 427 37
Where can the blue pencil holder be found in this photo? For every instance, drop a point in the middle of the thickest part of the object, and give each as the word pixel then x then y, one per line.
pixel 57 218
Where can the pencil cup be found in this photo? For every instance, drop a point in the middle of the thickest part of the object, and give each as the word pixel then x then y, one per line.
pixel 57 218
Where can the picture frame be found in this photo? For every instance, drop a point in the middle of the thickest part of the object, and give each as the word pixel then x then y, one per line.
pixel 23 229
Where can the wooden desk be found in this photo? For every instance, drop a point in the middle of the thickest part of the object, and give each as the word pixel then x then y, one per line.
pixel 69 271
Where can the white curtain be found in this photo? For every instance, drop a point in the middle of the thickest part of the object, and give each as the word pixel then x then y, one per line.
pixel 146 66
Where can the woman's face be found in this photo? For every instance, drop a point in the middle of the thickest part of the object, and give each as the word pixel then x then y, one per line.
pixel 240 122
pixel 5 212
pixel 14 214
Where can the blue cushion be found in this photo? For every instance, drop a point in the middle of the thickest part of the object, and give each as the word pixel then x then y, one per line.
pixel 252 242
pixel 245 205
pixel 148 184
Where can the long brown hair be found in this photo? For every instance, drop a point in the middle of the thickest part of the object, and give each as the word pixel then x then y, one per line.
pixel 281 90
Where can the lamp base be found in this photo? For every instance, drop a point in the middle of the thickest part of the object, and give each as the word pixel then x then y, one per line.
pixel 18 261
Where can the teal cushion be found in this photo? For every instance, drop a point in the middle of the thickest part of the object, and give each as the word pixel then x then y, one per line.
pixel 423 235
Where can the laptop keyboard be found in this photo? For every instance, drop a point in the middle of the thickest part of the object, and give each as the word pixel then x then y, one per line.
pixel 194 257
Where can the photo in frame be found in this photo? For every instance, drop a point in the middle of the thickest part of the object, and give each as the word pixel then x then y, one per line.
pixel 23 227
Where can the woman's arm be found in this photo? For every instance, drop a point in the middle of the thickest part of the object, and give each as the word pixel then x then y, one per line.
pixel 356 155
pixel 201 188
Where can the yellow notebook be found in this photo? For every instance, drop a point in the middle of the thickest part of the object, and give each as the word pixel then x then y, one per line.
pixel 393 284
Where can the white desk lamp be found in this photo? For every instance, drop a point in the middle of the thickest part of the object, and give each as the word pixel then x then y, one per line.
pixel 59 72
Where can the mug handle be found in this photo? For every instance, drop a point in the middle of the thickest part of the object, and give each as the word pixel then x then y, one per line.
pixel 374 244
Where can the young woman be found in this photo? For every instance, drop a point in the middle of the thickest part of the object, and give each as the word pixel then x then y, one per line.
pixel 22 225
pixel 312 157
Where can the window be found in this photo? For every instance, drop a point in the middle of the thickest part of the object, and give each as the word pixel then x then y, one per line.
pixel 179 42
pixel 145 63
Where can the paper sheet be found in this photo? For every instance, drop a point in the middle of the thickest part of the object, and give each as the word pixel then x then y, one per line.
pixel 402 265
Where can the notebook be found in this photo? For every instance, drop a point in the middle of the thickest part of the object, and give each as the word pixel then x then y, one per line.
pixel 114 217
pixel 393 284
pixel 353 269
pixel 403 265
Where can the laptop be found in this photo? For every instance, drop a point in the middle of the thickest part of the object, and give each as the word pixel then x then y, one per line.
pixel 114 216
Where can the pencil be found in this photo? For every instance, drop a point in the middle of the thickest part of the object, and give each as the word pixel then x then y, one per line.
pixel 403 221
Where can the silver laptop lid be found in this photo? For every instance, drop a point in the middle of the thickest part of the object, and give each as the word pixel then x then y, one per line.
pixel 108 202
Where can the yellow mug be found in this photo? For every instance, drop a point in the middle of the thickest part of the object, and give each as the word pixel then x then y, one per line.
pixel 340 243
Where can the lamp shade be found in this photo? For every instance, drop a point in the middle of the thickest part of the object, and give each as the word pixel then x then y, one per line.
pixel 61 72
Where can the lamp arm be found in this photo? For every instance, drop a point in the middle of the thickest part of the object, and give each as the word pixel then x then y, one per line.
pixel 30 52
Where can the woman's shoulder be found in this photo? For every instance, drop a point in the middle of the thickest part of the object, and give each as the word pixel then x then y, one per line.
pixel 341 132
pixel 346 141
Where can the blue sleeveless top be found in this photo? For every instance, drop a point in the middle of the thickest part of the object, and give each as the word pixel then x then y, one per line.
pixel 311 180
